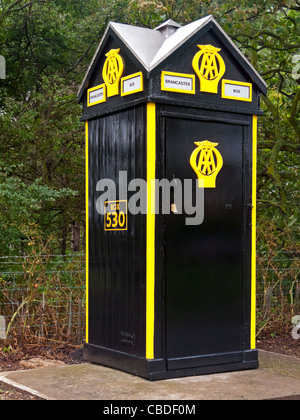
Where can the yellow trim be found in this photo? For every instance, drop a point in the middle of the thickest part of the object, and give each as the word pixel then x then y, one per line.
pixel 253 252
pixel 150 272
pixel 235 98
pixel 132 76
pixel 92 90
pixel 87 224
pixel 183 75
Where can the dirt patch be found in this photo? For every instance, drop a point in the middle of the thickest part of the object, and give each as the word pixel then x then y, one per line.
pixel 39 362
pixel 33 357
pixel 281 344
pixel 8 393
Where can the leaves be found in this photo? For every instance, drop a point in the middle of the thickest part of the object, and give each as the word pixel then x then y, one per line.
pixel 48 46
pixel 25 211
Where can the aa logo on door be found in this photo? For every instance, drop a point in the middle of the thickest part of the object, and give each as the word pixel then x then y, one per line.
pixel 207 162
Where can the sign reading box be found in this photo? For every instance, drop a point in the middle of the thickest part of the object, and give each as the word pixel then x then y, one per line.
pixel 132 84
pixel 238 91
pixel 178 82
pixel 96 95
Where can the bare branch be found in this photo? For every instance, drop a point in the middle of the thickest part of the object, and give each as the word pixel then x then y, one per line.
pixel 80 59
pixel 271 203
pixel 286 147
pixel 13 5
pixel 11 8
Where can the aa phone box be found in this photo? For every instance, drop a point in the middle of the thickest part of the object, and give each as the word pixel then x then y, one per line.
pixel 171 293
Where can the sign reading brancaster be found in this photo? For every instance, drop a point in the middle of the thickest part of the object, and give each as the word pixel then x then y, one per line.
pixel 178 82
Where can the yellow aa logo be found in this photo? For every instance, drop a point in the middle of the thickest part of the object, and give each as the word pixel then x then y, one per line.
pixel 209 67
pixel 207 162
pixel 112 72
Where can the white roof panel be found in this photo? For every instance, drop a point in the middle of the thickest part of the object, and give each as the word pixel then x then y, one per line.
pixel 178 38
pixel 142 42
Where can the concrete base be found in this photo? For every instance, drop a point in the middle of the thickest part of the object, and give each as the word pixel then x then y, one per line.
pixel 277 378
pixel 159 369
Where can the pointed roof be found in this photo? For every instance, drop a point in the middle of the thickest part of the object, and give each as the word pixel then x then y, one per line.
pixel 152 46
pixel 168 27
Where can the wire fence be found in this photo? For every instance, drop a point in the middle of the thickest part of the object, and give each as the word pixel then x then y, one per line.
pixel 278 290
pixel 42 298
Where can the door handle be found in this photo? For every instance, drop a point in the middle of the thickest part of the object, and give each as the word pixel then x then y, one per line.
pixel 174 209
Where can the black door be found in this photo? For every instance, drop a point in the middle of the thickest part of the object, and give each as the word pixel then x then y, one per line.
pixel 204 263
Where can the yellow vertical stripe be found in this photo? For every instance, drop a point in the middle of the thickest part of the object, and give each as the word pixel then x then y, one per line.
pixel 253 252
pixel 150 271
pixel 87 224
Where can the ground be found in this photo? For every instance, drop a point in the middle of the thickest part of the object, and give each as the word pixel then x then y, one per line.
pixel 29 357
pixel 281 344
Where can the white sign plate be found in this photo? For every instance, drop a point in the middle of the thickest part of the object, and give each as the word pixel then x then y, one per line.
pixel 238 91
pixel 132 84
pixel 177 82
pixel 96 95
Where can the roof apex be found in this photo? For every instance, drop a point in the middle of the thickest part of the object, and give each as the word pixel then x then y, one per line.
pixel 168 27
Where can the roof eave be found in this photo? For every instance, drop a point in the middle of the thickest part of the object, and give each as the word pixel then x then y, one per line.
pixel 84 84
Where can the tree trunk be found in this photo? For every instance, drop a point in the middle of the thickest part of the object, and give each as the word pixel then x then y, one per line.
pixel 75 240
pixel 63 240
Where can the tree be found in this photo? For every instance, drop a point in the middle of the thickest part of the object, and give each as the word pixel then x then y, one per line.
pixel 269 35
pixel 42 140
pixel 48 46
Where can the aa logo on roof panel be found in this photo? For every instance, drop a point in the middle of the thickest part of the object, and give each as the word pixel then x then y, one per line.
pixel 112 72
pixel 209 67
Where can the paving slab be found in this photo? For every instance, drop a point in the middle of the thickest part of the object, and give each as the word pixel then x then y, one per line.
pixel 277 378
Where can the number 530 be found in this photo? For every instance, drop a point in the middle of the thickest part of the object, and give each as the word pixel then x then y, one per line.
pixel 115 220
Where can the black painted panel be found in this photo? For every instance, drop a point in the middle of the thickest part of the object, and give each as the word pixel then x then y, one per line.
pixel 204 264
pixel 117 258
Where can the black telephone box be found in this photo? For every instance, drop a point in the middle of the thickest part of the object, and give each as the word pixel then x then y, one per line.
pixel 171 135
